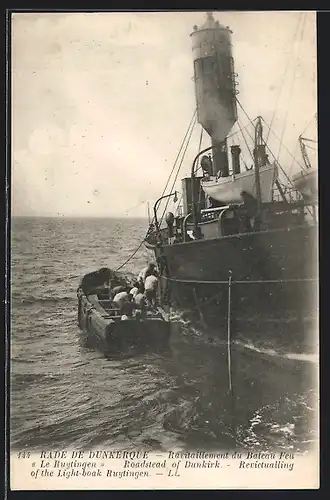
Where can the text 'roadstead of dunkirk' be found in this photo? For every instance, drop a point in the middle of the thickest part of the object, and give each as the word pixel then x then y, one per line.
pixel 136 464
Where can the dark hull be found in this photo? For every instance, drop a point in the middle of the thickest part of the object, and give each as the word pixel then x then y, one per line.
pixel 279 268
pixel 121 337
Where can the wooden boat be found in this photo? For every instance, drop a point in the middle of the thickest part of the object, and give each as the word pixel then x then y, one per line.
pixel 229 189
pixel 105 327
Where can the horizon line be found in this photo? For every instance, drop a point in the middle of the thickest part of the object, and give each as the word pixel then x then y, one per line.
pixel 78 216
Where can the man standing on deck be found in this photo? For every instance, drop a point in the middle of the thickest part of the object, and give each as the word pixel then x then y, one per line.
pixel 151 286
pixel 147 271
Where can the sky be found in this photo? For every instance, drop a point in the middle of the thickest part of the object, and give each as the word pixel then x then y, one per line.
pixel 102 101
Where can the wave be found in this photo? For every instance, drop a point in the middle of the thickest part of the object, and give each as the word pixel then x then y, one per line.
pixel 31 299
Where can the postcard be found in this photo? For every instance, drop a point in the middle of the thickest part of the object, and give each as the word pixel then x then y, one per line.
pixel 164 259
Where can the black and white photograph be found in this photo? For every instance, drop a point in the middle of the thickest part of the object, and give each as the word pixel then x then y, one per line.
pixel 164 250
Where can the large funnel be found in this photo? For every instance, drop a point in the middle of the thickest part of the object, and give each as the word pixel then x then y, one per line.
pixel 214 78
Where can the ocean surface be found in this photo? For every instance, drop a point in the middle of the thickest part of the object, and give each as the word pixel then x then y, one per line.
pixel 67 395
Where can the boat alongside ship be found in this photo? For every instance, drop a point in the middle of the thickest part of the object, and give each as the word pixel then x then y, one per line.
pixel 113 333
pixel 246 229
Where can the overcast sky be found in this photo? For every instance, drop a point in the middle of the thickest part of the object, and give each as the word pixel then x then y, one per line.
pixel 101 102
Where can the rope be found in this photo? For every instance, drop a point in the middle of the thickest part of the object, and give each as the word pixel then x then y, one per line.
pixel 240 282
pixel 199 149
pixel 168 180
pixel 281 168
pixel 308 124
pixel 131 256
pixel 240 128
pixel 200 140
pixel 177 156
pixel 291 90
pixel 284 75
pixel 180 165
pixel 284 146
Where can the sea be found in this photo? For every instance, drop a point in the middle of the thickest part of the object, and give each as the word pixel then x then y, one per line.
pixel 66 395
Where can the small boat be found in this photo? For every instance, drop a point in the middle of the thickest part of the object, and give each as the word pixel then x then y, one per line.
pixel 229 189
pixel 113 333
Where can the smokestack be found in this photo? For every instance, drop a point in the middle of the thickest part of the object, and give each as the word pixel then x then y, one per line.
pixel 214 76
pixel 235 153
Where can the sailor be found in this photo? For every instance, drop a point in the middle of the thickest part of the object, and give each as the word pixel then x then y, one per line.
pixel 140 301
pixel 135 289
pixel 147 271
pixel 120 299
pixel 207 166
pixel 151 285
pixel 128 307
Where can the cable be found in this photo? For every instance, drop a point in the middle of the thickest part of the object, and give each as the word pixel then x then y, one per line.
pixel 283 145
pixel 240 128
pixel 308 124
pixel 291 89
pixel 168 180
pixel 284 75
pixel 175 179
pixel 131 256
pixel 177 156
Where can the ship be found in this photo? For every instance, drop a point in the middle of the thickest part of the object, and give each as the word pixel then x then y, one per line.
pixel 240 227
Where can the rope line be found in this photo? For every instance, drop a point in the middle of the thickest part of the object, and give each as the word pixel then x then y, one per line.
pixel 308 124
pixel 177 156
pixel 283 145
pixel 291 88
pixel 284 75
pixel 241 282
pixel 131 256
pixel 246 143
pixel 180 165
pixel 168 180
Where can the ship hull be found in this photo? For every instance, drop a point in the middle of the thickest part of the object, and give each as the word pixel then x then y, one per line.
pixel 273 273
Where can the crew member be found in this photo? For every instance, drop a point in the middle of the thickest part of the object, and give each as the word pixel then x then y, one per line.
pixel 120 299
pixel 151 285
pixel 135 289
pixel 147 271
pixel 140 301
pixel 128 306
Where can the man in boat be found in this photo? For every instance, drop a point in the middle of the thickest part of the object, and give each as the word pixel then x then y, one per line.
pixel 147 271
pixel 128 307
pixel 135 289
pixel 151 286
pixel 121 300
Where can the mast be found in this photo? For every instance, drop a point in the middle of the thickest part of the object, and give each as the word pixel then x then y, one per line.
pixel 259 159
pixel 304 151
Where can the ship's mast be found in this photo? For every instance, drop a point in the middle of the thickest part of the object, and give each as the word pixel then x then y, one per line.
pixel 259 159
pixel 304 152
